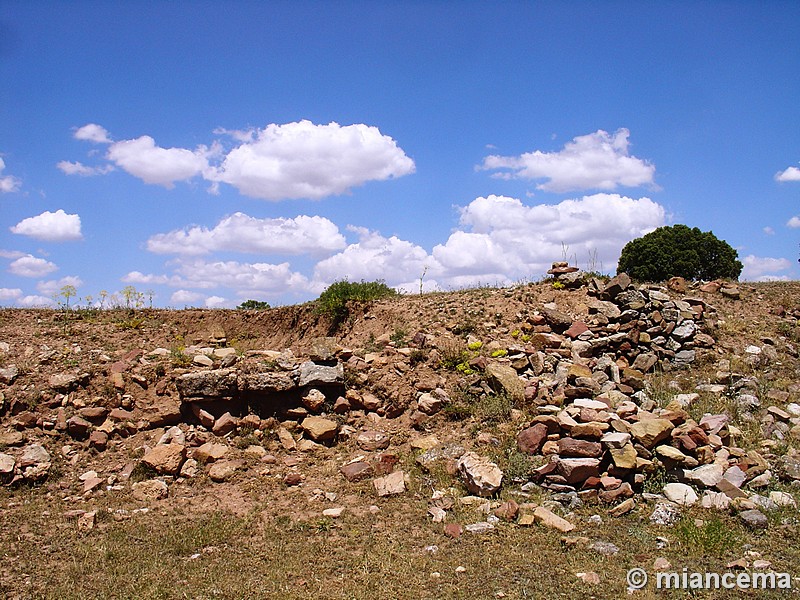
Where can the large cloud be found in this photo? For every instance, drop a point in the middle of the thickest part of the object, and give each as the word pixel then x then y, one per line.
pixel 53 286
pixel 374 257
pixel 9 294
pixel 789 174
pixel 501 238
pixel 763 268
pixel 293 160
pixel 304 160
pixel 30 266
pixel 241 233
pixel 161 166
pixel 246 279
pixel 8 183
pixel 51 227
pixel 595 161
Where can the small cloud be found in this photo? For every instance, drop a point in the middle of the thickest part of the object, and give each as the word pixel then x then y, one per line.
pixel 77 168
pixel 598 160
pixel 53 287
pixel 160 166
pixel 35 301
pixel 756 268
pixel 215 302
pixel 794 222
pixel 92 133
pixel 185 297
pixel 10 294
pixel 789 174
pixel 9 183
pixel 30 266
pixel 769 230
pixel 51 227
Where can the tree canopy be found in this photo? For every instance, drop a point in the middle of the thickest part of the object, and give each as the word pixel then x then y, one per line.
pixel 679 251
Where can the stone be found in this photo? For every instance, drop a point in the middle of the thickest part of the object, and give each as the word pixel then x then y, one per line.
pixel 357 471
pixel 680 494
pixel 390 485
pixel 78 427
pixel 98 440
pixel 333 513
pixel 313 400
pixel 650 432
pixel 530 440
pixel 225 424
pixel 578 470
pixel 267 382
pixel 671 453
pixel 203 360
pixel 478 528
pixel 571 447
pixel 9 374
pixel 782 499
pixel 625 457
pixel 615 439
pixel 506 378
pixel 210 452
pixel 429 403
pixel 604 548
pixel 754 519
pixel 623 508
pixel 549 519
pixel 372 441
pixel 453 530
pixel 665 513
pixel 705 475
pixel 320 429
pixel 150 490
pixel 715 500
pixel 481 476
pixel 165 459
pixel 218 383
pixel 223 470
pixel 286 439
pixel 7 464
pixel 313 374
pixel 64 382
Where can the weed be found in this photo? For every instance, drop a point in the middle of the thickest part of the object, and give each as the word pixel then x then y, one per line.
pixel 399 337
pixel 713 536
pixel 334 301
pixel 417 356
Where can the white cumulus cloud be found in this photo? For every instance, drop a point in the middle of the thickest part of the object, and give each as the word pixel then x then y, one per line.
pixel 242 233
pixel 152 164
pixel 51 227
pixel 53 286
pixel 10 293
pixel 185 297
pixel 598 160
pixel 215 302
pixel 374 257
pixel 502 239
pixel 304 160
pixel 35 301
pixel 8 183
pixel 78 168
pixel 788 174
pixel 794 222
pixel 92 132
pixel 756 268
pixel 30 266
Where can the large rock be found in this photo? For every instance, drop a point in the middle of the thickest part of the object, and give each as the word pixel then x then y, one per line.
pixel 314 375
pixel 210 452
pixel 651 431
pixel 530 440
pixel 320 429
pixel 216 383
pixel 705 475
pixel 166 459
pixel 150 490
pixel 578 470
pixel 357 471
pixel 268 382
pixel 7 464
pixel 572 448
pixel 680 494
pixel 506 379
pixel 390 485
pixel 481 476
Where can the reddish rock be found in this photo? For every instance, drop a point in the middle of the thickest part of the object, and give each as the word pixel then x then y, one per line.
pixel 96 414
pixel 453 530
pixel 619 493
pixel 293 478
pixel 507 511
pixel 166 458
pixel 78 427
pixel 25 420
pixel 225 424
pixel 120 414
pixel 357 471
pixel 98 440
pixel 578 470
pixel 530 440
pixel 572 448
pixel 387 462
pixel 576 329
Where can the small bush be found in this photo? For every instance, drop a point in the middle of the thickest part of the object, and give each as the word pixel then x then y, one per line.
pixel 253 305
pixel 334 300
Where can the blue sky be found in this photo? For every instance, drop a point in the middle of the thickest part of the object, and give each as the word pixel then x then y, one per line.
pixel 212 152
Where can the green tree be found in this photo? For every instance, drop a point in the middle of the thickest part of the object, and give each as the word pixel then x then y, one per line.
pixel 679 251
pixel 253 305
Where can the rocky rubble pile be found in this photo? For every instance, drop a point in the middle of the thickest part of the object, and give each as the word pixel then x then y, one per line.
pixel 593 432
